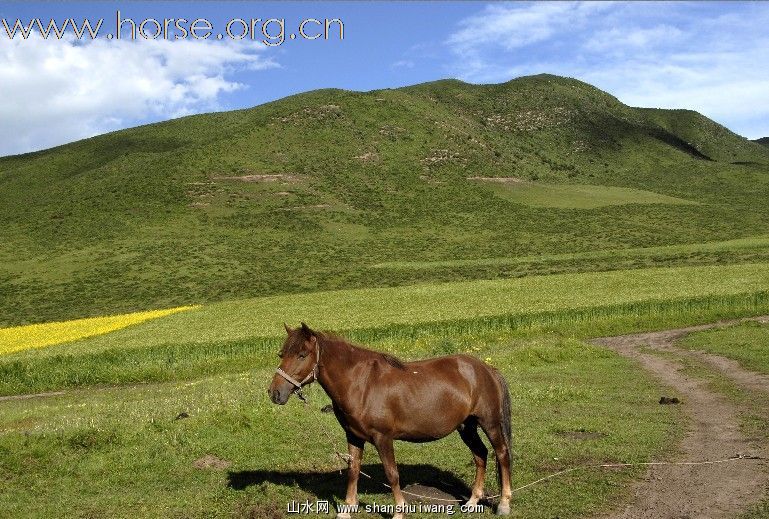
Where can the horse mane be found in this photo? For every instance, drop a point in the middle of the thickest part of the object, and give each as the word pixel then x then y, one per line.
pixel 392 360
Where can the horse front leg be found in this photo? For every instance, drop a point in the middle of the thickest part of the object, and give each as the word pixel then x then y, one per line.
pixel 384 446
pixel 355 450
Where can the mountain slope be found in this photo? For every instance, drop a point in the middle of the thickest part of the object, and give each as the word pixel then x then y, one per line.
pixel 308 192
pixel 763 141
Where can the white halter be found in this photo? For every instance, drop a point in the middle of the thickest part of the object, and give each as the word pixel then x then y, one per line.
pixel 312 376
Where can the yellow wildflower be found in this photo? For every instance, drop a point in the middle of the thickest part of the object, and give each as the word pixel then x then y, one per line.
pixel 20 338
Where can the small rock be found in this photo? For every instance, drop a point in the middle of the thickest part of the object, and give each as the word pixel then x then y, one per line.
pixel 666 400
pixel 182 415
pixel 327 409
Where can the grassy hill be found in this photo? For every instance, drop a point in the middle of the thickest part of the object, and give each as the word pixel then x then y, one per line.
pixel 315 191
pixel 763 140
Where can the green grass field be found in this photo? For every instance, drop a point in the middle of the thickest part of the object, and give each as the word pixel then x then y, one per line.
pixel 577 196
pixel 573 403
pixel 747 343
pixel 225 336
pixel 753 247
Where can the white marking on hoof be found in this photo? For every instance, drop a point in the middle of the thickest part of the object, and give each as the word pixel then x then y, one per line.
pixel 343 515
pixel 503 510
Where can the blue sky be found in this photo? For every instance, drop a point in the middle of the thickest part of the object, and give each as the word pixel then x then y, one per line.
pixel 709 56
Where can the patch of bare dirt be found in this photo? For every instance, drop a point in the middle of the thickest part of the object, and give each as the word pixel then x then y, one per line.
pixel 28 396
pixel 439 157
pixel 369 156
pixel 259 511
pixel 581 435
pixel 279 177
pixel 209 461
pixel 417 493
pixel 300 207
pixel 530 120
pixel 499 180
pixel 695 491
pixel 23 424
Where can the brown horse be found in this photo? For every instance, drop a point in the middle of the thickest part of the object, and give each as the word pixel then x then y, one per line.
pixel 378 399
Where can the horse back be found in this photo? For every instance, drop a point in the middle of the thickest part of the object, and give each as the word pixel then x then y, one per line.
pixel 430 398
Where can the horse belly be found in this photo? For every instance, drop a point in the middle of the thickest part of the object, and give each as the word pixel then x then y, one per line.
pixel 424 435
pixel 428 423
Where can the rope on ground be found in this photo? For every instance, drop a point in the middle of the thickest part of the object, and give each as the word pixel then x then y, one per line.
pixel 736 457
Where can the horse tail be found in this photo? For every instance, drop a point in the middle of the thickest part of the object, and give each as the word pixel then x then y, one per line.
pixel 506 423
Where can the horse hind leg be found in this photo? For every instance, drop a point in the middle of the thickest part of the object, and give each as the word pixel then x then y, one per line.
pixel 498 441
pixel 469 434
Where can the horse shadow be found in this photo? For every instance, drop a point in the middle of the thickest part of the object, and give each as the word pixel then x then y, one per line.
pixel 331 485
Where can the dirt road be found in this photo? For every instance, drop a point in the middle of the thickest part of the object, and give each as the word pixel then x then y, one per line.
pixel 702 491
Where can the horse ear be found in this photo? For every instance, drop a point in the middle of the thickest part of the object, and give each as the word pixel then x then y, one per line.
pixel 306 331
pixel 288 330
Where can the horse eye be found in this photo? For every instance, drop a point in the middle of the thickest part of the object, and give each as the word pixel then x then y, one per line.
pixel 302 355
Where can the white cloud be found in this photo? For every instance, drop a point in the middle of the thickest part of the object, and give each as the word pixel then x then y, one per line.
pixel 618 40
pixel 403 63
pixel 56 91
pixel 513 26
pixel 513 29
pixel 706 57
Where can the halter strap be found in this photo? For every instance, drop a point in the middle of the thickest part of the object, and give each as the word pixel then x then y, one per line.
pixel 312 376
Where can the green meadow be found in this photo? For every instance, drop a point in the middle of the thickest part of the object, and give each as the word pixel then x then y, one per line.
pixel 379 215
pixel 576 196
pixel 733 250
pixel 225 336
pixel 142 405
pixel 310 192
pixel 121 452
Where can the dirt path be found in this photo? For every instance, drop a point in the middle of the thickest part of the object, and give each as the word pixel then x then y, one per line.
pixel 31 395
pixel 704 491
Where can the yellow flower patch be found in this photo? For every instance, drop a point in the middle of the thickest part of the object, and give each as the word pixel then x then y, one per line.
pixel 20 338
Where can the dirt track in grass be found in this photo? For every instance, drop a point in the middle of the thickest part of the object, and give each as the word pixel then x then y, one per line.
pixel 722 490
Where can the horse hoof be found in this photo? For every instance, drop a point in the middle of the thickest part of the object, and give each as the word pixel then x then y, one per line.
pixel 343 515
pixel 503 510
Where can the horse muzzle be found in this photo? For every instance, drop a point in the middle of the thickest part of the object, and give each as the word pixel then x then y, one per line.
pixel 279 396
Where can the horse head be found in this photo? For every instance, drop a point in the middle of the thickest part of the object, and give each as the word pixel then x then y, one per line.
pixel 299 358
